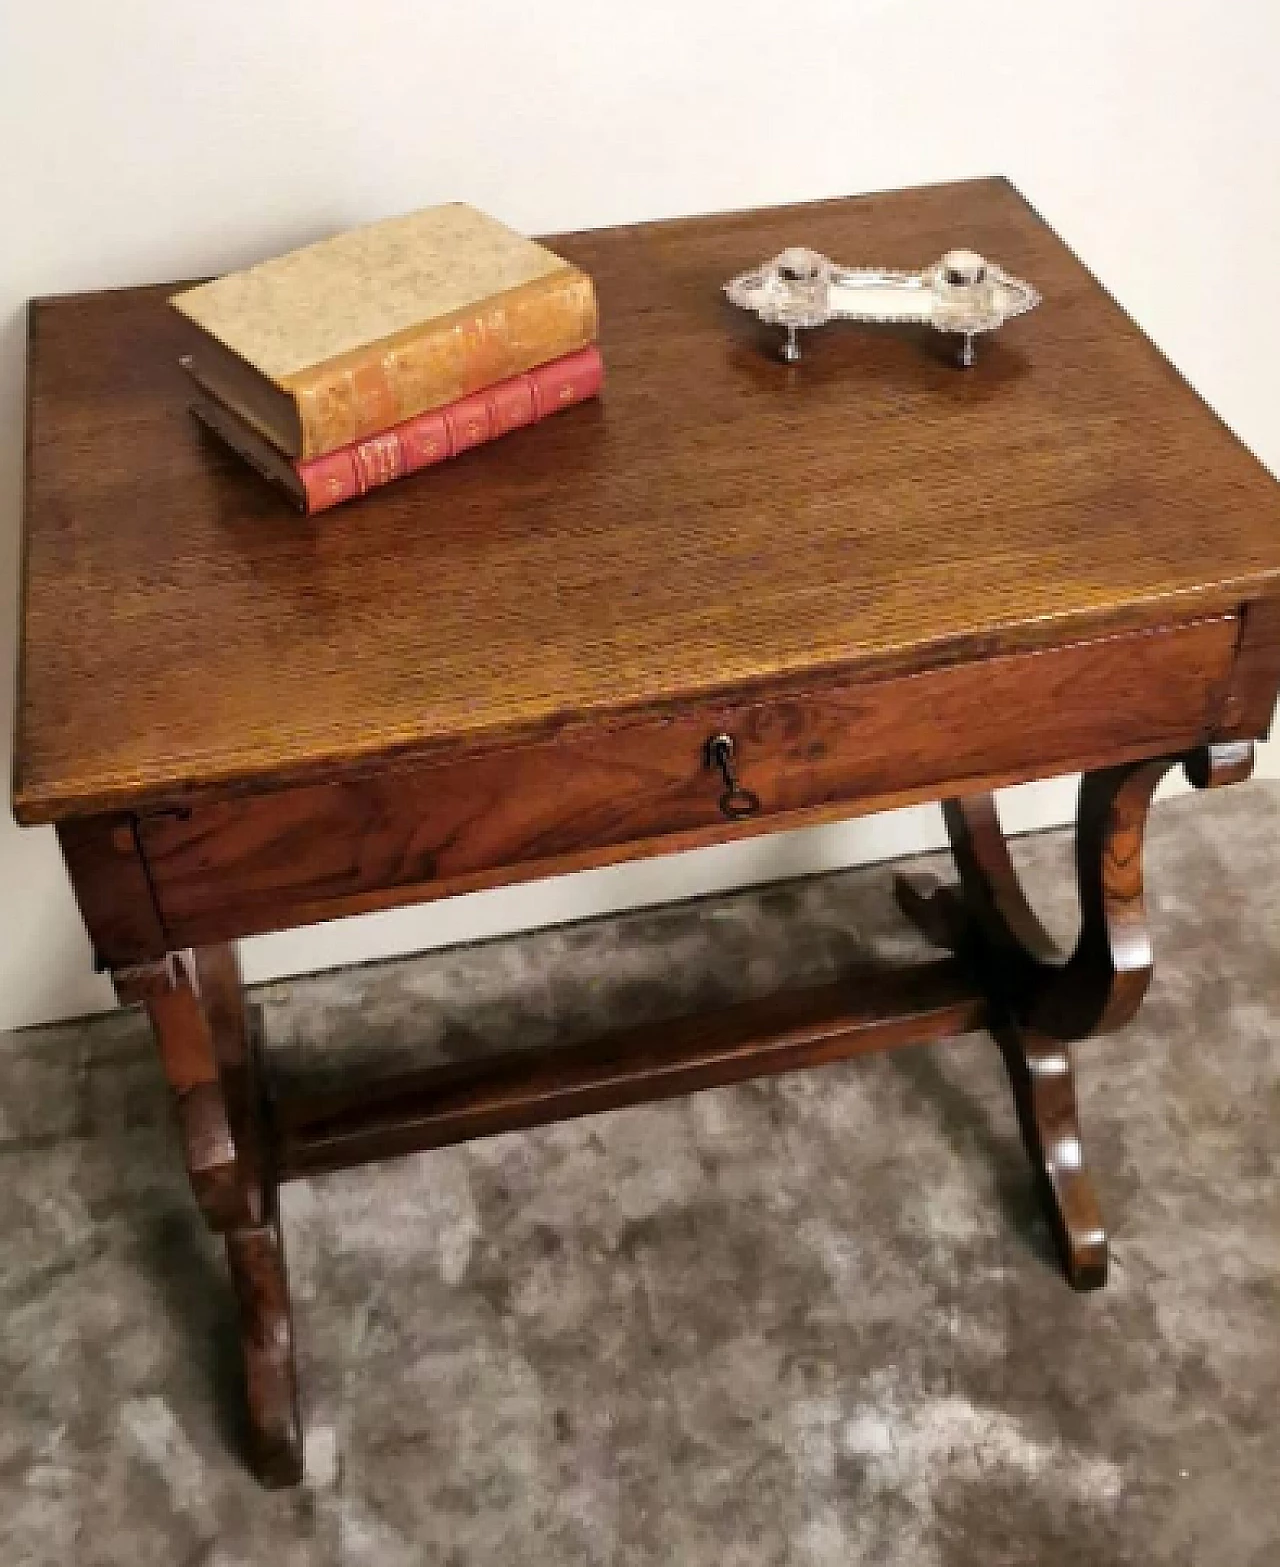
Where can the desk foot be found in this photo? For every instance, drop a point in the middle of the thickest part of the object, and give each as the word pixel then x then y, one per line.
pixel 210 1059
pixel 1044 1095
pixel 1039 1001
pixel 255 1256
pixel 934 908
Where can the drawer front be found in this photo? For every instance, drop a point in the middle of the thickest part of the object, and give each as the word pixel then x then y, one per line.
pixel 607 792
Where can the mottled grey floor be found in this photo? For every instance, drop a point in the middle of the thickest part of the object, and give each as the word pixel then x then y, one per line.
pixel 809 1321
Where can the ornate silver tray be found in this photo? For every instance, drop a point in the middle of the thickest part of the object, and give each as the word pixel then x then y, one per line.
pixel 963 293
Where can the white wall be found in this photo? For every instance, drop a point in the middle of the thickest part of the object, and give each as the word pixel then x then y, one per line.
pixel 151 139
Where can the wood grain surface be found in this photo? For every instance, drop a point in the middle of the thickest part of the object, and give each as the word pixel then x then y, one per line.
pixel 113 888
pixel 721 521
pixel 292 856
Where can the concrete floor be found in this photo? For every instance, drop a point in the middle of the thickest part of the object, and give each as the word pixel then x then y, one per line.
pixel 807 1321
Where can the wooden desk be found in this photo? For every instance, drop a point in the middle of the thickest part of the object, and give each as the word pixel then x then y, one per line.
pixel 885 579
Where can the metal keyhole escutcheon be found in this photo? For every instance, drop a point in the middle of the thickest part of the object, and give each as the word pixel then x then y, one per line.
pixel 736 801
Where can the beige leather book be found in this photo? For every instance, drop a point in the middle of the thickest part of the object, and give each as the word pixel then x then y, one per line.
pixel 344 338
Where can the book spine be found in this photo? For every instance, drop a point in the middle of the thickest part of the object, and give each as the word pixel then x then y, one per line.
pixel 444 432
pixel 356 395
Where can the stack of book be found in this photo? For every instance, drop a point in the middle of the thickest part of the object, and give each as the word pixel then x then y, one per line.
pixel 355 361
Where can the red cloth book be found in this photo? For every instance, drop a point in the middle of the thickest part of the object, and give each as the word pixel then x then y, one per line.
pixel 351 471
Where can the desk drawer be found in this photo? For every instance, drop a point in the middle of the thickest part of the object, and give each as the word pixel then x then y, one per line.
pixel 609 791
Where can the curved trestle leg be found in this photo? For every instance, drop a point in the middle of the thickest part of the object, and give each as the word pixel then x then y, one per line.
pixel 197 1013
pixel 1042 1003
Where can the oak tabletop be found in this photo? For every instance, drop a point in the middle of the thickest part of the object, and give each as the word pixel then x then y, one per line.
pixel 718 521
